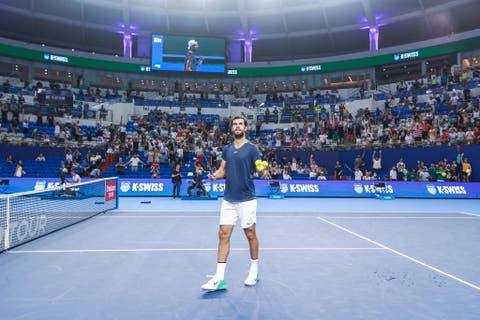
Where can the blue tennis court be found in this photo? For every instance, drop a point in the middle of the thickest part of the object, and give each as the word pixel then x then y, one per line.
pixel 319 259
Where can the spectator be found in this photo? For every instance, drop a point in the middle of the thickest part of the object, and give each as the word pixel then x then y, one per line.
pixel 57 130
pixel 393 173
pixel 96 172
pixel 63 173
pixel 423 175
pixel 96 158
pixel 412 175
pixel 402 173
pixel 368 176
pixel 155 170
pixel 25 126
pixel 440 173
pixel 338 171
pixel 68 155
pixel 358 174
pixel 19 172
pixel 377 162
pixel 40 157
pixel 134 162
pixel 46 139
pixel 358 160
pixel 50 120
pixel 75 177
pixel 110 154
pixel 294 165
pixel 177 181
pixel 266 175
pixel 432 172
pixel 466 170
pixel 120 166
pixel 40 120
pixel 321 174
pixel 312 175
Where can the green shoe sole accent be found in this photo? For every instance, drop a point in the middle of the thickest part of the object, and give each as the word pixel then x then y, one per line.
pixel 257 279
pixel 222 285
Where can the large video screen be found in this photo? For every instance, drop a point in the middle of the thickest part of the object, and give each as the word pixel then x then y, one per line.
pixel 189 54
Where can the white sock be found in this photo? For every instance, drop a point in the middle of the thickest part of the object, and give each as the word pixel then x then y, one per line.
pixel 253 266
pixel 220 274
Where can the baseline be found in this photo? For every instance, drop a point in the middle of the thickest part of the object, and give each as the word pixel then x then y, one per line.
pixel 190 249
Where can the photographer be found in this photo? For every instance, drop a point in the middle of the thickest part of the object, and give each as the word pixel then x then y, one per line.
pixel 197 181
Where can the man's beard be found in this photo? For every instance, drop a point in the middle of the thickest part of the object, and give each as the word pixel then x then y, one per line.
pixel 238 135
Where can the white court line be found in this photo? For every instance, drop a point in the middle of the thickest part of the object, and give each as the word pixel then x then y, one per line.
pixel 289 212
pixel 401 254
pixel 290 216
pixel 129 217
pixel 397 217
pixel 470 214
pixel 191 249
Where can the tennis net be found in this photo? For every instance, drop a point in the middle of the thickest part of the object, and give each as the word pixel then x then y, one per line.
pixel 29 215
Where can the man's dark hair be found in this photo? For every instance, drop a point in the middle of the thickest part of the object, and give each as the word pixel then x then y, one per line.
pixel 239 117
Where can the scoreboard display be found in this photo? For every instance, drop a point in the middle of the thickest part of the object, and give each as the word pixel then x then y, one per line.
pixel 187 54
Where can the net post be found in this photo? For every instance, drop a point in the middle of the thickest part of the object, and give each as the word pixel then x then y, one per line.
pixel 6 241
pixel 118 191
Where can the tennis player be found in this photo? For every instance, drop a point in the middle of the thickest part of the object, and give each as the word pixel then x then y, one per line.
pixel 192 63
pixel 239 202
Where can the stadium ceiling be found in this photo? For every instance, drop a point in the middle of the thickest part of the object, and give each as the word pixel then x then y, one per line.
pixel 280 29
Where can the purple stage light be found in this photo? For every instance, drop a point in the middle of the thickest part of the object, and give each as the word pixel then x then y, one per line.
pixel 247 47
pixel 127 45
pixel 373 38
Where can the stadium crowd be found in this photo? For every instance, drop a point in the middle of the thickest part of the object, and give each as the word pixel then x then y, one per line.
pixel 450 116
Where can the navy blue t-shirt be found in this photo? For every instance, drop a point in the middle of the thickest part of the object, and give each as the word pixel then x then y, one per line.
pixel 240 169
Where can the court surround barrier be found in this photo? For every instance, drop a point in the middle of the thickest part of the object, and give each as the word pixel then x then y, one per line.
pixel 287 188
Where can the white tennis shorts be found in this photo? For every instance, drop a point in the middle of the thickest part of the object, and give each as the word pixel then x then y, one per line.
pixel 245 211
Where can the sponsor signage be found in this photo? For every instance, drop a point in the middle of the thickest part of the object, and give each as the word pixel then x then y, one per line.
pixel 23 228
pixel 406 55
pixel 311 68
pixel 55 58
pixel 110 190
pixel 265 188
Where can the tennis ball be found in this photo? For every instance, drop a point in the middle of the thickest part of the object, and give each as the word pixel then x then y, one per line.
pixel 444 174
pixel 259 165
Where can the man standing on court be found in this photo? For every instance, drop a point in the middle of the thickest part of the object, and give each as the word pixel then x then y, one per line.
pixel 240 160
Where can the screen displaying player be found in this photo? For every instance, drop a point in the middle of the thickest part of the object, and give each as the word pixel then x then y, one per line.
pixel 189 54
pixel 192 63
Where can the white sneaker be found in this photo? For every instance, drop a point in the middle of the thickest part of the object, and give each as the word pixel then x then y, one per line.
pixel 215 284
pixel 252 279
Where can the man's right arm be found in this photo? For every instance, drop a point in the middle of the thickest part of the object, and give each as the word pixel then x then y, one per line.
pixel 220 173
